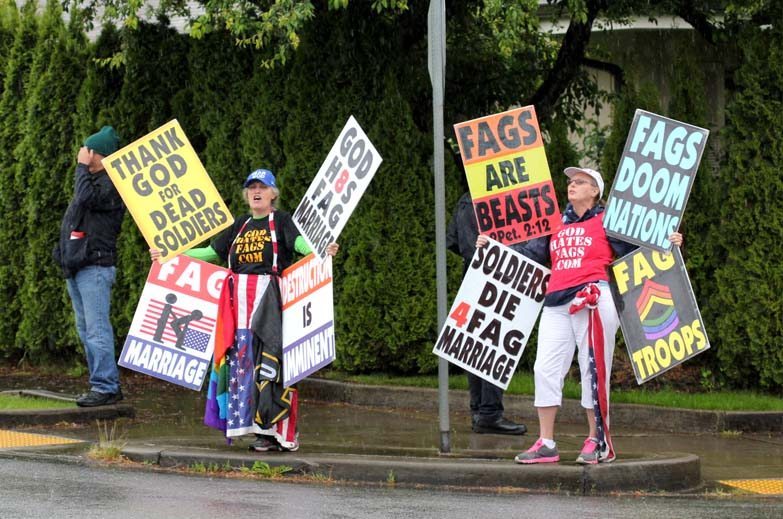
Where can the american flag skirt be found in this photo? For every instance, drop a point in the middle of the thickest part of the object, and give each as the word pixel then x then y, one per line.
pixel 241 404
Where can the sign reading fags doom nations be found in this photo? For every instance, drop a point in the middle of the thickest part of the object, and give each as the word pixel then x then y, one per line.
pixel 172 335
pixel 308 318
pixel 493 314
pixel 508 176
pixel 653 180
pixel 167 191
pixel 659 317
pixel 337 188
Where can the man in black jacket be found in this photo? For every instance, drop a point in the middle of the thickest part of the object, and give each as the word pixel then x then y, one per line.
pixel 87 253
pixel 486 399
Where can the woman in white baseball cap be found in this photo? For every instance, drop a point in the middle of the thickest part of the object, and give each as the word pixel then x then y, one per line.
pixel 580 254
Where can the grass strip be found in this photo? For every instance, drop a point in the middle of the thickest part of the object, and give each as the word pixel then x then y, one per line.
pixel 16 402
pixel 522 384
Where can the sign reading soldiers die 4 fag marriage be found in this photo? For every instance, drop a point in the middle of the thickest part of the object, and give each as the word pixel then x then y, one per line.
pixel 308 318
pixel 654 179
pixel 172 335
pixel 495 309
pixel 167 191
pixel 508 176
pixel 337 188
pixel 659 317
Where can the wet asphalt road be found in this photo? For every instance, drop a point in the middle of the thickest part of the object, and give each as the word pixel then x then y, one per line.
pixel 36 489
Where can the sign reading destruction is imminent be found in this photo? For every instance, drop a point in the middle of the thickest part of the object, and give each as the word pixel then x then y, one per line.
pixel 508 176
pixel 337 188
pixel 308 318
pixel 653 180
pixel 659 317
pixel 167 191
pixel 172 335
pixel 493 314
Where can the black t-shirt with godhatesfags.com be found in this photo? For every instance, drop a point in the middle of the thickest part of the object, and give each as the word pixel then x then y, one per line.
pixel 252 250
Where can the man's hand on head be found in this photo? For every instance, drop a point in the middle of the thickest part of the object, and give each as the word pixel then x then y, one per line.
pixel 84 156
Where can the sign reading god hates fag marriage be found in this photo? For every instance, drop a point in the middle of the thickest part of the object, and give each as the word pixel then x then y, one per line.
pixel 508 176
pixel 659 317
pixel 167 191
pixel 337 188
pixel 172 335
pixel 308 318
pixel 495 309
pixel 653 180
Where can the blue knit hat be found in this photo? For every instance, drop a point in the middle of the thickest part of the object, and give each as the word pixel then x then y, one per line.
pixel 105 142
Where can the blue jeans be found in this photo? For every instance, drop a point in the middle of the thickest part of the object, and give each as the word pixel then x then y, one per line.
pixel 90 291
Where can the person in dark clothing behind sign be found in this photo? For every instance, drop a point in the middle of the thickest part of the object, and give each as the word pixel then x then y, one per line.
pixel 486 399
pixel 87 253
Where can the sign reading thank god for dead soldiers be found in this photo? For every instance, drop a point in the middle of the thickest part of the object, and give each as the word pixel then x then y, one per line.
pixel 337 188
pixel 653 180
pixel 659 317
pixel 508 176
pixel 167 191
pixel 172 335
pixel 308 318
pixel 493 314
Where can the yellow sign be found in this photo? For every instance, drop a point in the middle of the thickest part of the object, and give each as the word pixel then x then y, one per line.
pixel 167 190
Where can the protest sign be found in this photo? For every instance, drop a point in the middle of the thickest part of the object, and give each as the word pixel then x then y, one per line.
pixel 658 313
pixel 653 180
pixel 495 309
pixel 172 335
pixel 167 190
pixel 508 176
pixel 308 318
pixel 337 188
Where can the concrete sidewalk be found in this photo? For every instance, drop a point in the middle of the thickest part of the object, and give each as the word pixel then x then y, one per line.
pixel 382 434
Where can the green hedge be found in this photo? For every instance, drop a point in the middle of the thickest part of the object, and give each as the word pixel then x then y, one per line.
pixel 749 281
pixel 16 90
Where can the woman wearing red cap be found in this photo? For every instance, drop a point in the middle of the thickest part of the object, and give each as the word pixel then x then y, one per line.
pixel 246 393
pixel 579 254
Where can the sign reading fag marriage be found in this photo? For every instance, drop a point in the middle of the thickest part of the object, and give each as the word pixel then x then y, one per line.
pixel 659 317
pixel 172 335
pixel 337 188
pixel 493 314
pixel 653 180
pixel 167 191
pixel 508 176
pixel 308 318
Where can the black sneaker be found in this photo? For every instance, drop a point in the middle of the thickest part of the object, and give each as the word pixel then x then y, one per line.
pixel 265 444
pixel 95 399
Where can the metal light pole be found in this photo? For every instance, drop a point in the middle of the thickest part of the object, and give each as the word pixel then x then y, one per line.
pixel 436 35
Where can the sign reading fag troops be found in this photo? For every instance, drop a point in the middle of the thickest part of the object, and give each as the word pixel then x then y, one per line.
pixel 167 191
pixel 337 188
pixel 172 335
pixel 493 314
pixel 653 180
pixel 508 176
pixel 308 318
pixel 659 317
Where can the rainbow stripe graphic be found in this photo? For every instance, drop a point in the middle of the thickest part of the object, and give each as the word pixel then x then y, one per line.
pixel 655 296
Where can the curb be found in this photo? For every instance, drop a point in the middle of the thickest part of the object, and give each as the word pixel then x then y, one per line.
pixel 53 416
pixel 649 417
pixel 668 473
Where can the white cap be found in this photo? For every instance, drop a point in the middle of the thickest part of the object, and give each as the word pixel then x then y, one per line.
pixel 570 172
